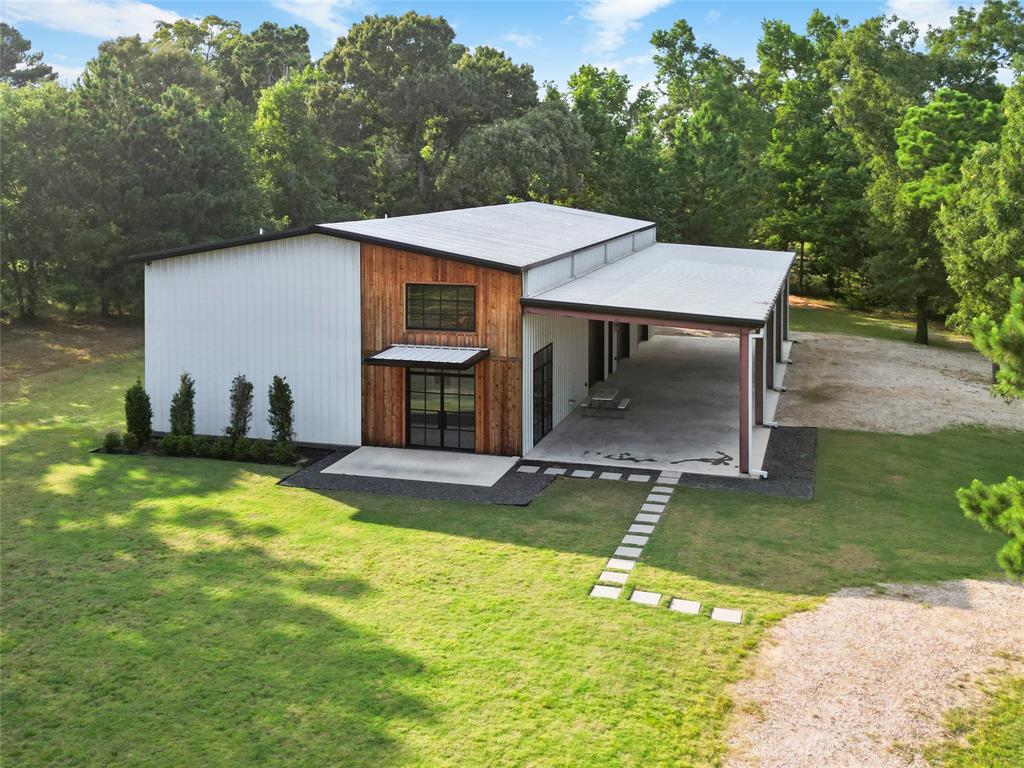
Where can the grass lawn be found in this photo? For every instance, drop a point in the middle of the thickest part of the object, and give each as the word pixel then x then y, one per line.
pixel 822 316
pixel 163 611
pixel 992 738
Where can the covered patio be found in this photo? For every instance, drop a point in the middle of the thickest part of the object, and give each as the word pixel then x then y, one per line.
pixel 683 411
pixel 703 393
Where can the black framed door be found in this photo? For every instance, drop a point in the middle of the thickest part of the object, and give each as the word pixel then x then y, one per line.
pixel 596 372
pixel 543 392
pixel 441 409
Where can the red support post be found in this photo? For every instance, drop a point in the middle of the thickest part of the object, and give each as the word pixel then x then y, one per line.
pixel 744 402
pixel 769 349
pixel 759 380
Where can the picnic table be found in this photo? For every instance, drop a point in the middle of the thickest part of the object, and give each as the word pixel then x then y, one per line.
pixel 605 402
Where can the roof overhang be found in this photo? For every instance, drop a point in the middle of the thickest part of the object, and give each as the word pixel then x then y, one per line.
pixel 426 356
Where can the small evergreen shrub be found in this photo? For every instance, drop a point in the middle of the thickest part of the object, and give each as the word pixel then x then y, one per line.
pixel 169 445
pixel 259 451
pixel 221 448
pixel 283 453
pixel 112 442
pixel 186 445
pixel 183 407
pixel 243 446
pixel 138 412
pixel 241 408
pixel 281 411
pixel 203 447
pixel 130 442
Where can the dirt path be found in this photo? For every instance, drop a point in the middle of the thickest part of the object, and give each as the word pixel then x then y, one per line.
pixel 863 681
pixel 876 385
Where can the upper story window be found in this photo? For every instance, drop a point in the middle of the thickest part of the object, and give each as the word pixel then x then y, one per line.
pixel 440 307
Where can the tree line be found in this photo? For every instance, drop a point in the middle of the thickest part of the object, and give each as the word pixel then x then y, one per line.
pixel 890 161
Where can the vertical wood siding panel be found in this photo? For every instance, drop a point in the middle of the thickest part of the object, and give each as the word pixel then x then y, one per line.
pixel 385 273
pixel 288 307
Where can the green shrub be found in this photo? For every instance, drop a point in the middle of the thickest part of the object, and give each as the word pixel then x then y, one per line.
pixel 138 412
pixel 241 408
pixel 259 451
pixel 221 448
pixel 283 453
pixel 243 446
pixel 183 407
pixel 203 446
pixel 186 445
pixel 281 411
pixel 130 442
pixel 169 445
pixel 112 442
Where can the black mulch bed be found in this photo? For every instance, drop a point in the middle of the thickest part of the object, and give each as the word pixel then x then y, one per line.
pixel 514 488
pixel 790 463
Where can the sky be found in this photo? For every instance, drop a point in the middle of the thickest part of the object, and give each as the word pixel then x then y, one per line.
pixel 555 37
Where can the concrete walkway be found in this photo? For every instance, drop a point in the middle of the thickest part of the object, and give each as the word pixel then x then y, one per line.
pixel 683 414
pixel 426 466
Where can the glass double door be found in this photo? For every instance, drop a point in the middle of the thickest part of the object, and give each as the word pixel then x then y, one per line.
pixel 441 409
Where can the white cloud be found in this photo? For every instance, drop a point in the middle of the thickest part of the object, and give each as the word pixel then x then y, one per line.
pixel 521 40
pixel 325 15
pixel 712 15
pixel 925 13
pixel 95 18
pixel 67 73
pixel 611 19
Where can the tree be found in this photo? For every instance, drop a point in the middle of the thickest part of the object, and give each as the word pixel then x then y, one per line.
pixel 281 411
pixel 265 56
pixel 138 412
pixel 183 407
pixel 1000 507
pixel 18 64
pixel 981 234
pixel 240 408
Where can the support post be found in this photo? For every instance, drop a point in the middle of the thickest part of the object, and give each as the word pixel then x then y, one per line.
pixel 744 402
pixel 785 310
pixel 778 328
pixel 759 379
pixel 769 350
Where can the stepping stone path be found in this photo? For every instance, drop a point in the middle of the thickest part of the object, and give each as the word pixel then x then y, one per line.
pixel 628 552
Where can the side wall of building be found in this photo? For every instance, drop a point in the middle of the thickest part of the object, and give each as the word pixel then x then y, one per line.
pixel 286 307
pixel 385 273
pixel 569 338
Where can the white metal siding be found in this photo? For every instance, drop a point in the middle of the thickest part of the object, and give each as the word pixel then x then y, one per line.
pixel 569 337
pixel 566 269
pixel 287 307
pixel 546 276
pixel 644 238
pixel 587 261
pixel 619 247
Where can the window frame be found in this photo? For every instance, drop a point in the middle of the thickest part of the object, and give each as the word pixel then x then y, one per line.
pixel 458 302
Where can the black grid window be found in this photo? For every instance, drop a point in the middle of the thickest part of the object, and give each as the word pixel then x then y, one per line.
pixel 440 307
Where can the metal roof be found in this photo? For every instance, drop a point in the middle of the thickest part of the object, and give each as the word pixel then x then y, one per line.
pixel 730 286
pixel 516 235
pixel 421 355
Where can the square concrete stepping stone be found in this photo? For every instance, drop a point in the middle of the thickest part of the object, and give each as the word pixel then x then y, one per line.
pixel 658 498
pixel 638 528
pixel 644 517
pixel 645 598
pixel 554 471
pixel 600 590
pixel 528 470
pixel 659 508
pixel 691 607
pixel 662 489
pixel 637 540
pixel 583 473
pixel 613 576
pixel 638 478
pixel 731 615
pixel 618 564
pixel 611 475
pixel 628 551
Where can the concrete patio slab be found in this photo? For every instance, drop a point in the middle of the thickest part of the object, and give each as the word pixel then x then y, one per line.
pixel 691 607
pixel 620 564
pixel 424 466
pixel 637 528
pixel 645 598
pixel 730 615
pixel 600 590
pixel 658 498
pixel 656 508
pixel 639 541
pixel 628 551
pixel 613 577
pixel 644 517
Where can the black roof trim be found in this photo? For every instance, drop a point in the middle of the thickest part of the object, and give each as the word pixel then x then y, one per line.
pixel 684 317
pixel 219 245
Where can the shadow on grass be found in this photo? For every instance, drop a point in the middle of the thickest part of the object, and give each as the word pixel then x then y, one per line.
pixel 147 621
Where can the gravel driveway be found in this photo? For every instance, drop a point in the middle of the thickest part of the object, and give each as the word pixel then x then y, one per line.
pixel 862 682
pixel 876 385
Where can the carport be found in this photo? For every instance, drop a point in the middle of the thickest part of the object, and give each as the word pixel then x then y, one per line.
pixel 699 403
